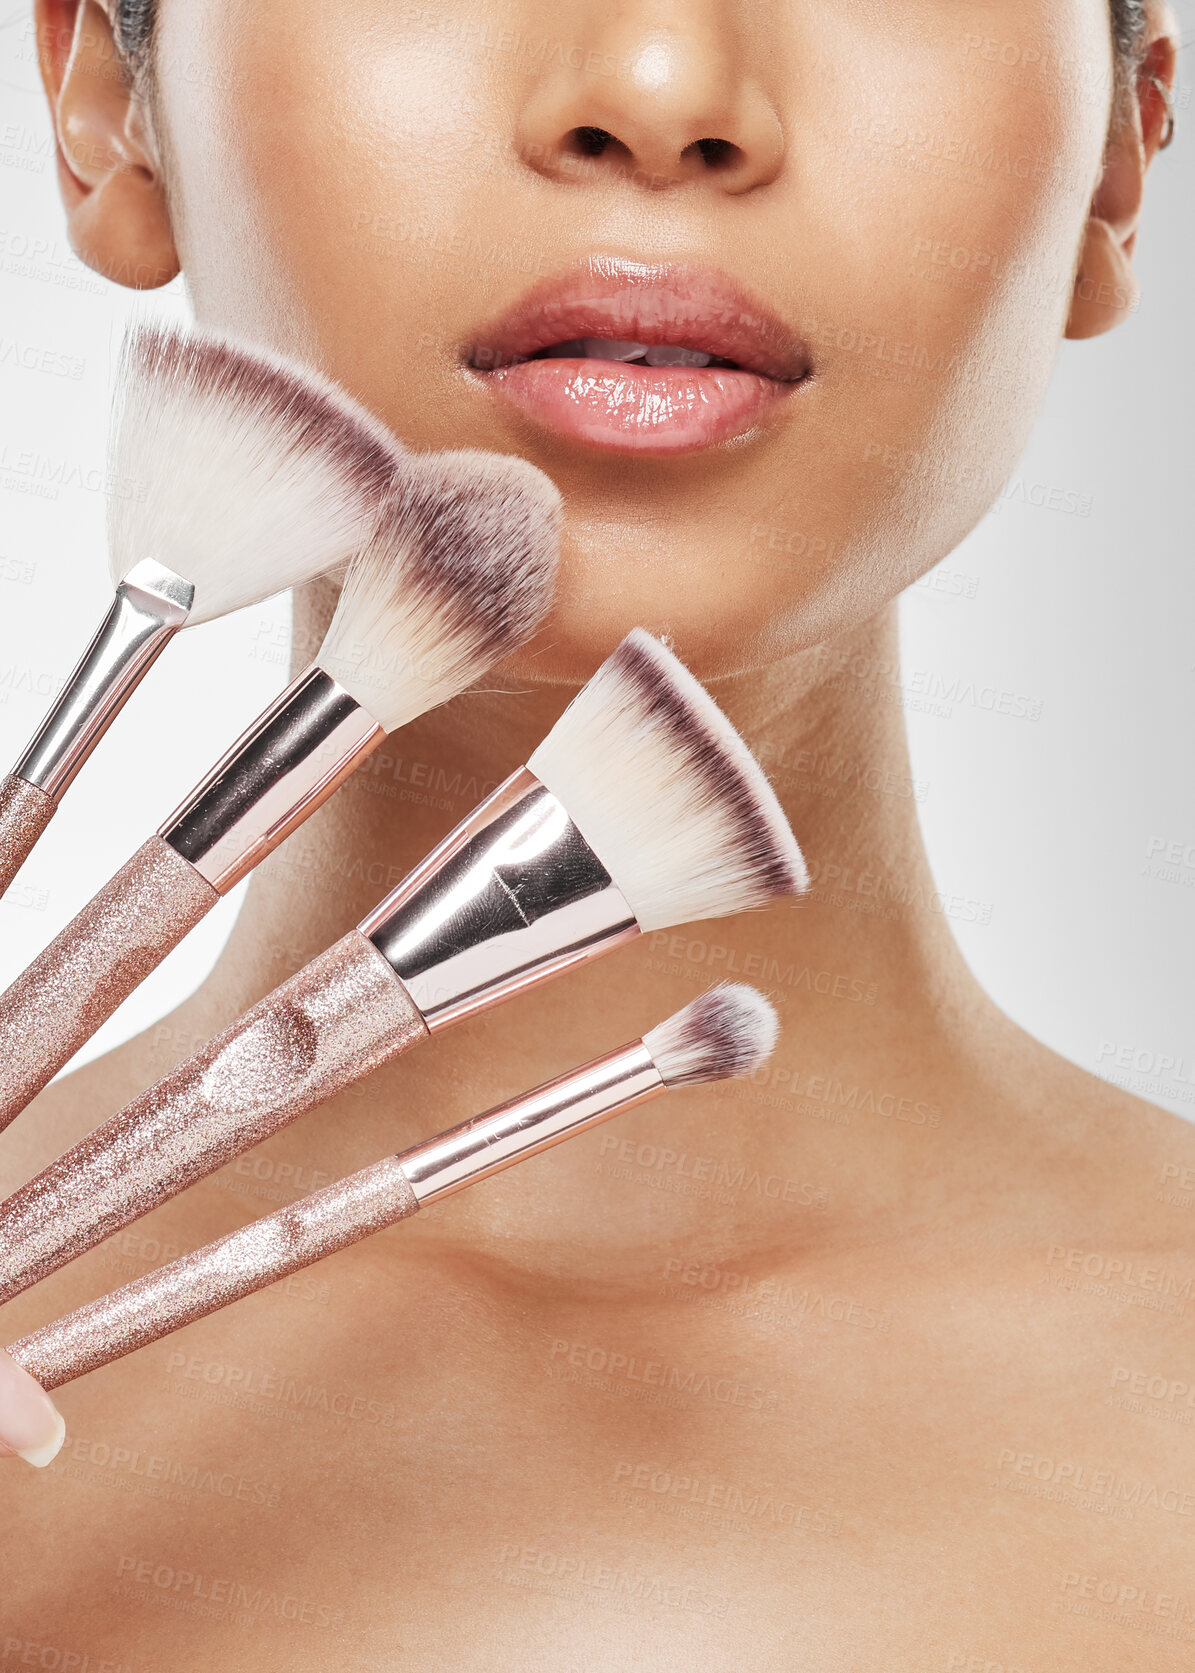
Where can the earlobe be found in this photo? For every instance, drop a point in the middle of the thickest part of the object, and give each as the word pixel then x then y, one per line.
pixel 1106 288
pixel 111 185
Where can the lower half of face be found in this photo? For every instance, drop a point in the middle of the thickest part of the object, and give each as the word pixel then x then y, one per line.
pixel 771 293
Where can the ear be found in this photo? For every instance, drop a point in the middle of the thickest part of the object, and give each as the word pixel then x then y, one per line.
pixel 108 172
pixel 1106 288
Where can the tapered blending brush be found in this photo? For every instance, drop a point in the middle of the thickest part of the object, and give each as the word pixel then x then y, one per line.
pixel 458 573
pixel 245 474
pixel 641 808
pixel 728 1031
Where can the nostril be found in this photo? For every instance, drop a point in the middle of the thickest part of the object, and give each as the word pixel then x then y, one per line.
pixel 714 153
pixel 591 142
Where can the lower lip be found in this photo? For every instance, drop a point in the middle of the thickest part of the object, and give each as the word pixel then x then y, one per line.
pixel 637 409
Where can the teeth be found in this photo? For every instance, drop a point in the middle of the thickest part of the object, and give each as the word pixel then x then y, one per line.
pixel 664 354
pixel 606 348
pixel 596 348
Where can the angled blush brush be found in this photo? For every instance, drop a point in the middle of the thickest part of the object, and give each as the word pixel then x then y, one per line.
pixel 729 1031
pixel 640 809
pixel 457 574
pixel 252 474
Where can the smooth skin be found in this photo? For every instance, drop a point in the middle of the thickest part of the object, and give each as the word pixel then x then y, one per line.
pixel 883 1364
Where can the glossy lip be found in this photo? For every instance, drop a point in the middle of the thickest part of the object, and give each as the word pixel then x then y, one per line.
pixel 637 408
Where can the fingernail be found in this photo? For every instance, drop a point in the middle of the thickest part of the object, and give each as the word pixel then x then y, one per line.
pixel 30 1423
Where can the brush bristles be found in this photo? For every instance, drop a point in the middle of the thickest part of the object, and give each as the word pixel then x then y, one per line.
pixel 730 1030
pixel 458 574
pixel 666 793
pixel 241 471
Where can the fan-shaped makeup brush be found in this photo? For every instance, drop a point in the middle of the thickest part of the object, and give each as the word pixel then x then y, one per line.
pixel 728 1031
pixel 457 574
pixel 641 808
pixel 247 474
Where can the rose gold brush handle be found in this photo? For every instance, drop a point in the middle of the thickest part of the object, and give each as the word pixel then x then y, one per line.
pixel 25 811
pixel 339 1018
pixel 56 1005
pixel 147 610
pixel 340 1214
pixel 201 1283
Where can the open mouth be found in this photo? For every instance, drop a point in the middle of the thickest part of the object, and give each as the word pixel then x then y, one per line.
pixel 617 355
pixel 631 354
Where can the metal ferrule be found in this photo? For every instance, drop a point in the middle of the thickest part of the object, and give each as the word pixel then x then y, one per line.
pixel 531 1123
pixel 514 895
pixel 149 607
pixel 276 774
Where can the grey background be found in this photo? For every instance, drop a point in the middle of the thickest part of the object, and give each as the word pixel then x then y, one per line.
pixel 1052 828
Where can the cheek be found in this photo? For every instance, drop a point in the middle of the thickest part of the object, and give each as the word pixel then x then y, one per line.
pixel 946 202
pixel 345 189
pixel 336 179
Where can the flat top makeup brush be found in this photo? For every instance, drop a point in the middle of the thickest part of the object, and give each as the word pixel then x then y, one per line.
pixel 457 574
pixel 728 1031
pixel 246 474
pixel 641 808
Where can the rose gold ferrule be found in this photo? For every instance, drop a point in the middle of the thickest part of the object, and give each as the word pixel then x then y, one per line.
pixel 149 607
pixel 513 1131
pixel 293 757
pixel 512 896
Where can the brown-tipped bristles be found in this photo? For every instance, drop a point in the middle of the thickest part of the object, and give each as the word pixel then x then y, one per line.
pixel 458 574
pixel 728 1031
pixel 666 793
pixel 240 470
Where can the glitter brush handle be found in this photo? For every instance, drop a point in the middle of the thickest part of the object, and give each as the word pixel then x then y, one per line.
pixel 25 811
pixel 328 1220
pixel 56 1005
pixel 336 1020
pixel 198 1284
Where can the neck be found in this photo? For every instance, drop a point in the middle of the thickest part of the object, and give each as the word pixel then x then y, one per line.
pixel 865 973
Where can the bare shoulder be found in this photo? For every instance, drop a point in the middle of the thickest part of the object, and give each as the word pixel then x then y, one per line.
pixel 1129 1165
pixel 1107 1238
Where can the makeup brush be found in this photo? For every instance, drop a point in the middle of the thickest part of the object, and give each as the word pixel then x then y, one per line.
pixel 246 474
pixel 728 1031
pixel 458 573
pixel 641 808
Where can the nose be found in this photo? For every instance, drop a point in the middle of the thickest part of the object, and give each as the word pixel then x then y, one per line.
pixel 660 93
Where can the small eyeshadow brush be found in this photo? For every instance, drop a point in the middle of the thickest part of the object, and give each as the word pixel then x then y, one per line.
pixel 641 808
pixel 728 1031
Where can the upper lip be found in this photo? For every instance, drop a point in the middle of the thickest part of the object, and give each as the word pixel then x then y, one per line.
pixel 691 307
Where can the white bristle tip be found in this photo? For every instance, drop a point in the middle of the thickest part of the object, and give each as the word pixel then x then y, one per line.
pixel 240 470
pixel 667 794
pixel 731 1030
pixel 457 575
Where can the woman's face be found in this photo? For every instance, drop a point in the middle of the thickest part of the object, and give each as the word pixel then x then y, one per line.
pixel 883 244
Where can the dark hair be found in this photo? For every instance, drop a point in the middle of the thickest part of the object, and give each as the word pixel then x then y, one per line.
pixel 134 21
